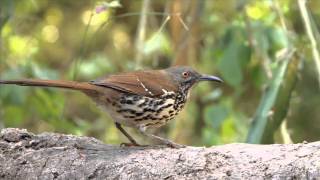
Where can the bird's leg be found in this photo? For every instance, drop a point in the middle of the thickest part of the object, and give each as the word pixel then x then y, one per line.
pixel 133 142
pixel 167 142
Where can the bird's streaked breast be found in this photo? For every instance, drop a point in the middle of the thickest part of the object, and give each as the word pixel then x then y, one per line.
pixel 133 110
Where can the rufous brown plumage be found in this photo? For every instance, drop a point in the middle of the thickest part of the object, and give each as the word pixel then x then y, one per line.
pixel 139 99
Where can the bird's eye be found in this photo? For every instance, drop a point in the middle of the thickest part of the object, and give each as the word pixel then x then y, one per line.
pixel 185 74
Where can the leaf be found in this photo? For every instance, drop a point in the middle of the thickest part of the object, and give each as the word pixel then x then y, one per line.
pixel 114 4
pixel 215 115
pixel 268 99
pixel 235 57
pixel 228 132
pixel 229 66
pixel 157 42
pixel 277 38
pixel 105 5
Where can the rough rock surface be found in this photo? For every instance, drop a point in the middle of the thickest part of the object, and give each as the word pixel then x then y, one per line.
pixel 24 155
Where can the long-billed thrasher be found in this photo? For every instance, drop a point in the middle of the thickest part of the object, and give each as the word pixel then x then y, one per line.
pixel 139 99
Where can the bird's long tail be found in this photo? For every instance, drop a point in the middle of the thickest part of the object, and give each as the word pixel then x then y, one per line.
pixel 82 86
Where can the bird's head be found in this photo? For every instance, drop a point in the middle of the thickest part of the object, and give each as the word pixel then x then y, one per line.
pixel 186 77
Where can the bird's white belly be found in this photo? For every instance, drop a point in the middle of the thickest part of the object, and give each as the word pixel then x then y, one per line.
pixel 137 111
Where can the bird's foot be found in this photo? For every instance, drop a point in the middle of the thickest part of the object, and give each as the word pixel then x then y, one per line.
pixel 174 145
pixel 130 145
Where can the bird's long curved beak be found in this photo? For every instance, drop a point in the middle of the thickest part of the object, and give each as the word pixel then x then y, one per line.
pixel 205 77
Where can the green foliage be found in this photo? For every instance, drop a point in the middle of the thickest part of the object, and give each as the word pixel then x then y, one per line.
pixel 267 102
pixel 157 42
pixel 237 40
pixel 215 115
pixel 235 57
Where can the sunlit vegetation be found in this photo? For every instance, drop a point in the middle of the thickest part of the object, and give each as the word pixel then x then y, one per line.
pixel 260 48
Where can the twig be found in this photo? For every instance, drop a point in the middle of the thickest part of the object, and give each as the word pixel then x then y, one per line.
pixel 163 24
pixel 306 20
pixel 182 22
pixel 276 7
pixel 141 33
pixel 125 15
pixel 262 114
pixel 77 62
pixel 284 132
pixel 258 50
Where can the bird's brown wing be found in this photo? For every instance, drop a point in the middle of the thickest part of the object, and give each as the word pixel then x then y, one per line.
pixel 145 83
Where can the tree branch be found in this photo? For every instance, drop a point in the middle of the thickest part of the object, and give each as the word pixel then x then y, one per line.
pixel 310 33
pixel 24 155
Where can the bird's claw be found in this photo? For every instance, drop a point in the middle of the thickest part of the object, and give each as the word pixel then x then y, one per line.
pixel 129 145
pixel 175 145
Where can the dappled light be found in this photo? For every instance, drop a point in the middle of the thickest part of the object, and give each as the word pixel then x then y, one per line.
pixel 50 33
pixel 261 50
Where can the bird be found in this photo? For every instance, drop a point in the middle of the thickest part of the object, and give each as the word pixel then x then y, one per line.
pixel 140 99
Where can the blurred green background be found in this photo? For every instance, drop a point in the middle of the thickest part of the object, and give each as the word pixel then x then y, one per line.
pixel 260 48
